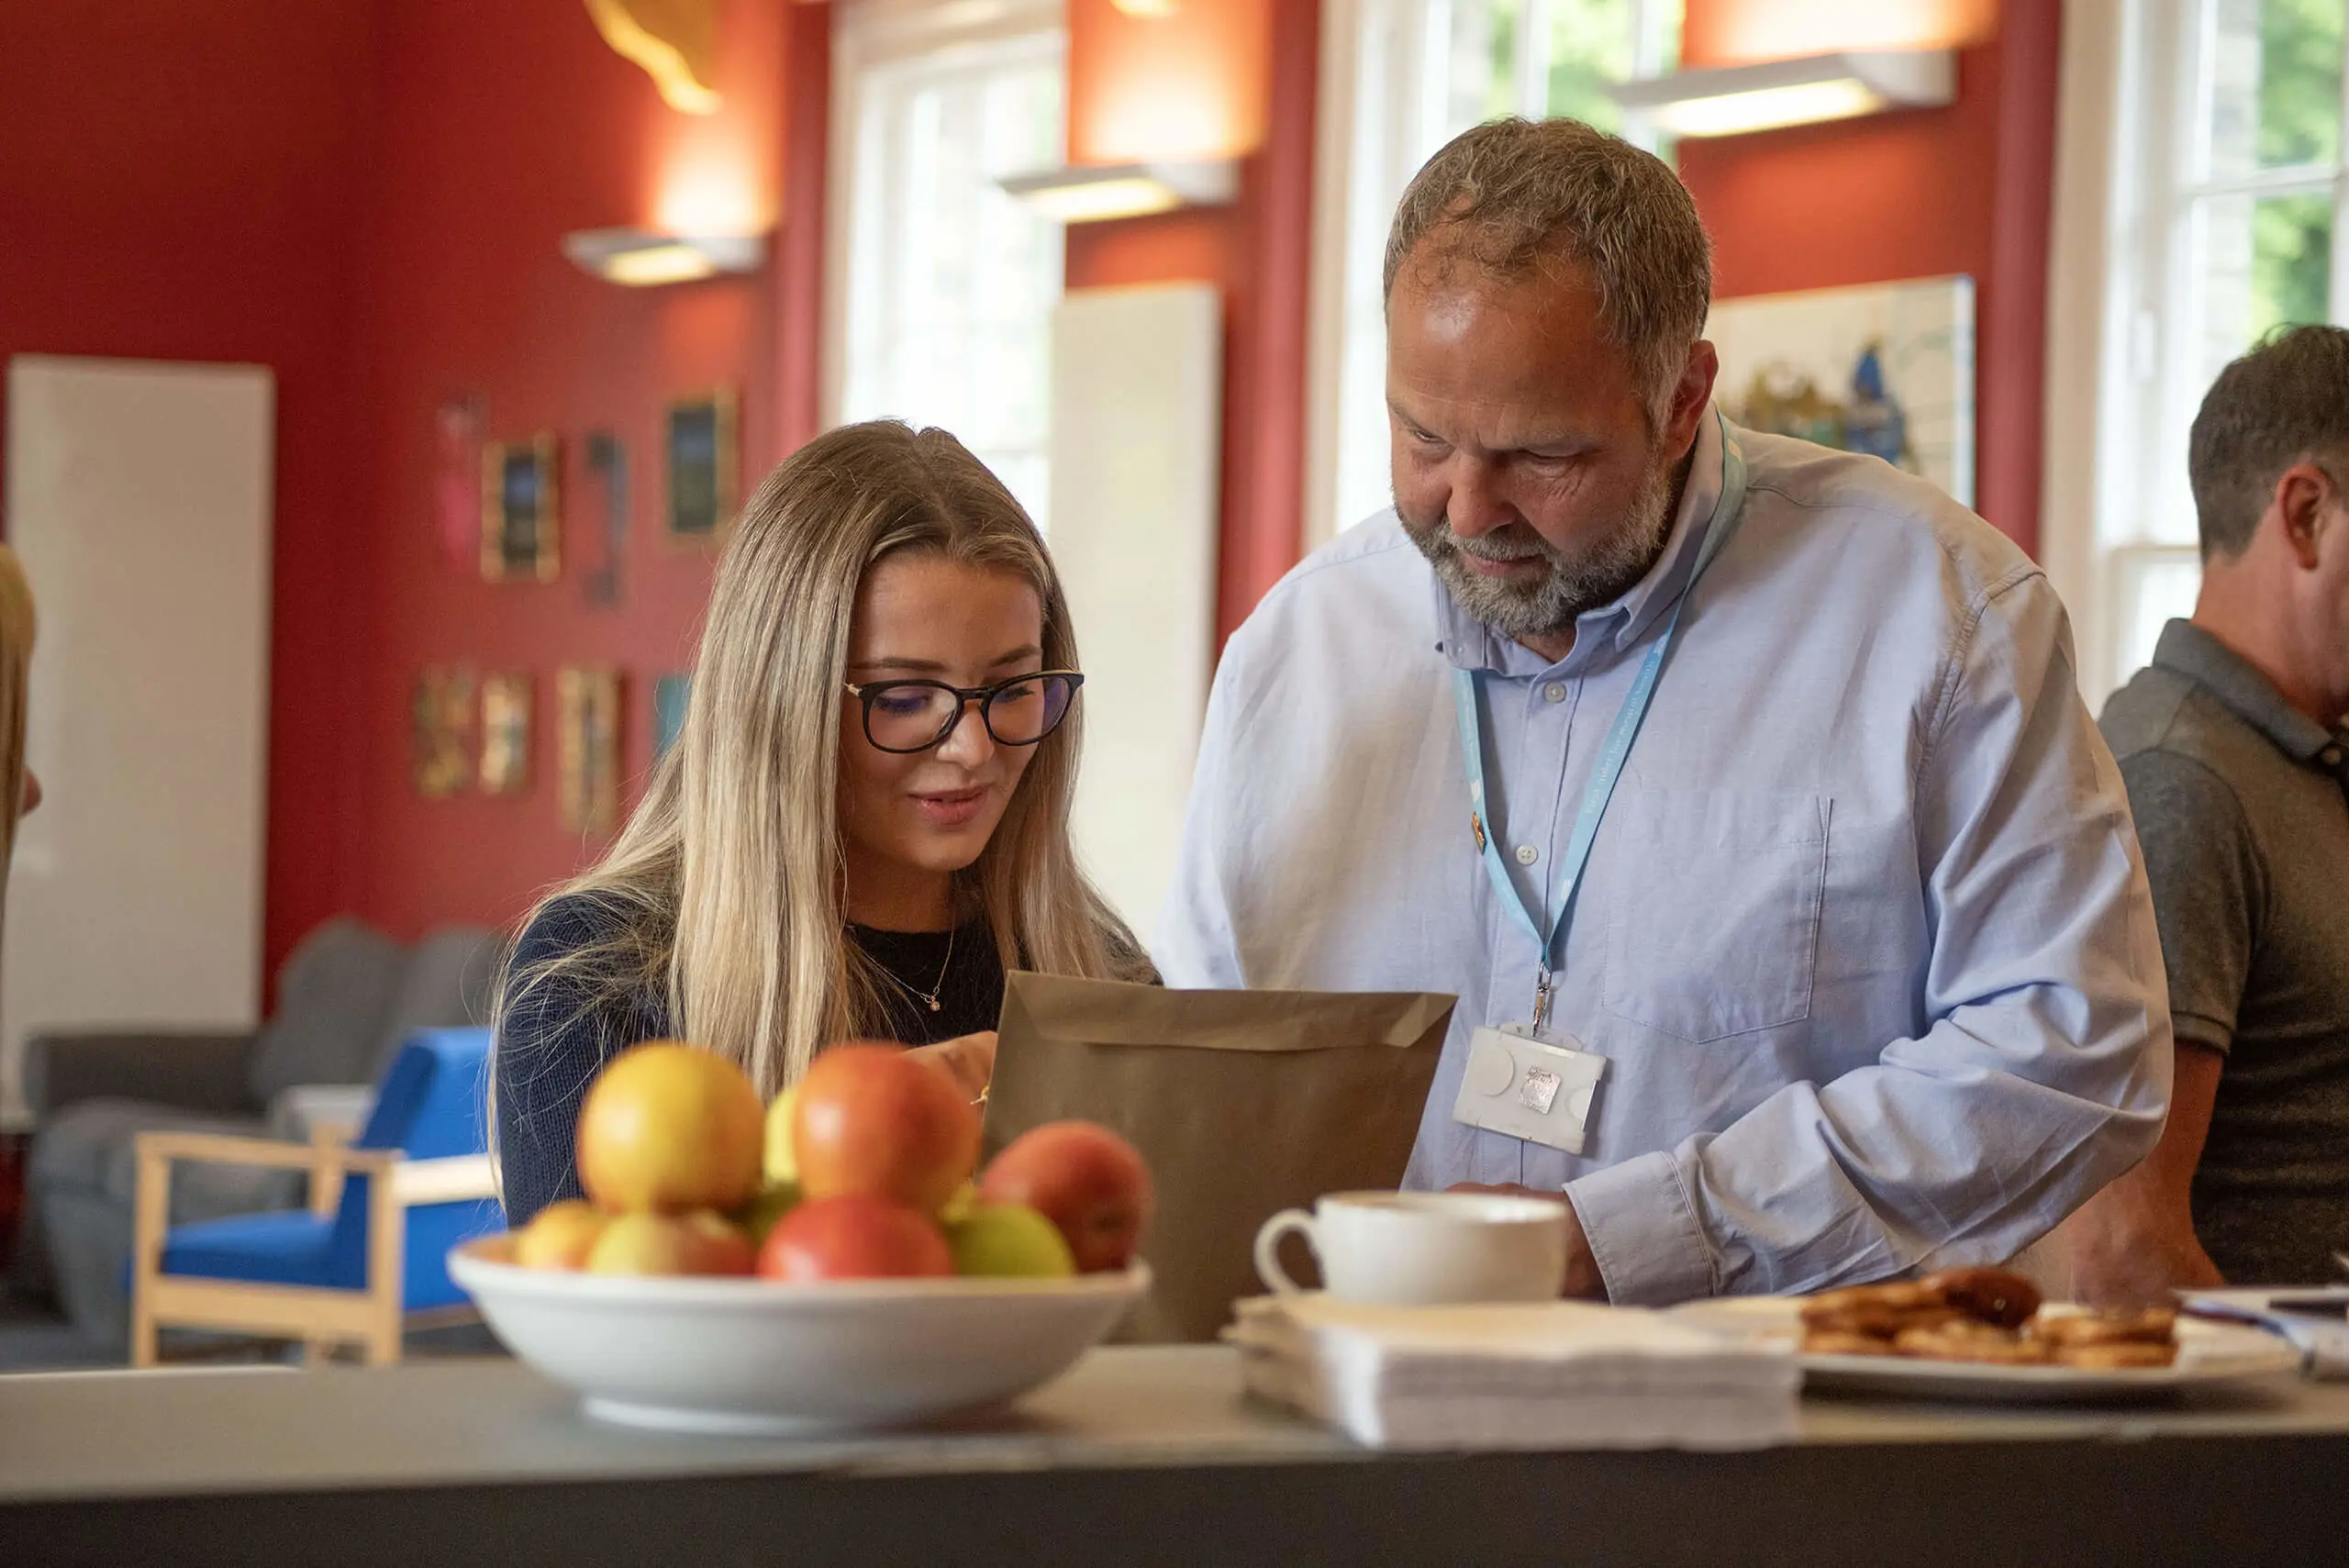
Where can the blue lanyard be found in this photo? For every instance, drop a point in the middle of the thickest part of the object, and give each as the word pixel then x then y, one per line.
pixel 1611 757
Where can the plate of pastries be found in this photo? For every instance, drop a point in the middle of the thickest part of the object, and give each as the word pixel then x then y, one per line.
pixel 1985 1333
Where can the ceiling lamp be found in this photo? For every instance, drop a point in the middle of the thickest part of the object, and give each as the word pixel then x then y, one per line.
pixel 1126 190
pixel 1733 100
pixel 642 257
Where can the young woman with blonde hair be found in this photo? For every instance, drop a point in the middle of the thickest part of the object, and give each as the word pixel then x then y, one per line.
pixel 863 822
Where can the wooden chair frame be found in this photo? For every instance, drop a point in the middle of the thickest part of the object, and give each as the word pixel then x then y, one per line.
pixel 321 1318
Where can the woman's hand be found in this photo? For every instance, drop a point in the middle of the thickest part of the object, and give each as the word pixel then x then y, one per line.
pixel 970 1060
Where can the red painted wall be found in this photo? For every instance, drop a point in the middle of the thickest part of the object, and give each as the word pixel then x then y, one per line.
pixel 369 197
pixel 1222 77
pixel 177 183
pixel 1962 189
pixel 503 127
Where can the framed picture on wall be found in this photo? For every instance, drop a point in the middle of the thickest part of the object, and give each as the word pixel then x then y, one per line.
pixel 671 693
pixel 608 472
pixel 704 466
pixel 521 527
pixel 440 729
pixel 506 733
pixel 588 704
pixel 1883 369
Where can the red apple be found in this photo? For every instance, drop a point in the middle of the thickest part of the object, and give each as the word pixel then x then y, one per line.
pixel 871 1121
pixel 1084 1178
pixel 857 1236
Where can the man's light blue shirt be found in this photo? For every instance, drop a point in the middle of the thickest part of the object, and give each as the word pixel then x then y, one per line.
pixel 1865 937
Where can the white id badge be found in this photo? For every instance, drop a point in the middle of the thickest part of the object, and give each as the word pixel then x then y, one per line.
pixel 1529 1088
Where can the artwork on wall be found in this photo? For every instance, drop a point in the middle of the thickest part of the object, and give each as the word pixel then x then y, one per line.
pixel 600 584
pixel 704 466
pixel 521 526
pixel 1886 369
pixel 456 481
pixel 441 724
pixel 588 710
pixel 506 733
pixel 670 694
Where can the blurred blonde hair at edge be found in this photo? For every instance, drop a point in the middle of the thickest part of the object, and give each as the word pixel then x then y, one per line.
pixel 16 627
pixel 729 877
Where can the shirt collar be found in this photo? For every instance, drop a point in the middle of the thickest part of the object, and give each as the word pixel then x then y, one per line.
pixel 2187 650
pixel 1472 645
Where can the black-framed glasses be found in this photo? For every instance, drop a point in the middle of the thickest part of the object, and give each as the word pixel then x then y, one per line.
pixel 905 716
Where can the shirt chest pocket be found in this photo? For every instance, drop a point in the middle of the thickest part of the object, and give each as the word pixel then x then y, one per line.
pixel 1715 929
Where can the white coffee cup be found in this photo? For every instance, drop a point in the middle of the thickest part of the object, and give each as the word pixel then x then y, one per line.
pixel 1421 1248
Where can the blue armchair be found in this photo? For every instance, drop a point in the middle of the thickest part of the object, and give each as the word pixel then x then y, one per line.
pixel 368 1260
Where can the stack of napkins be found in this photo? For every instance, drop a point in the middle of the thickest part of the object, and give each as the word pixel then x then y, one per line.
pixel 1546 1375
pixel 2315 1320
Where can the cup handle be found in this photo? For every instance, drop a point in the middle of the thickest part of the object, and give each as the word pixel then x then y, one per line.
pixel 1268 1248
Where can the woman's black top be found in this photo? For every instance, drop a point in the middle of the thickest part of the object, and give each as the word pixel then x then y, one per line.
pixel 559 1037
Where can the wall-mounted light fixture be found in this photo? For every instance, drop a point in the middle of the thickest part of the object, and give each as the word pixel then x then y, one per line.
pixel 1732 100
pixel 1126 190
pixel 641 257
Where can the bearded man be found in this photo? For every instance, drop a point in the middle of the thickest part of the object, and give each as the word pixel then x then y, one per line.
pixel 1739 788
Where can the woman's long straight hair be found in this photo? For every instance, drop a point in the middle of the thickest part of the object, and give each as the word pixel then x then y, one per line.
pixel 725 885
pixel 17 629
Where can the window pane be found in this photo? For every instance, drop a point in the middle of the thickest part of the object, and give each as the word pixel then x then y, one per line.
pixel 2155 589
pixel 953 283
pixel 1592 43
pixel 2266 262
pixel 2274 85
pixel 1484 56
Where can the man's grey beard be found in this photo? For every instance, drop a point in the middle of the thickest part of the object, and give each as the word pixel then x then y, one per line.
pixel 1577 582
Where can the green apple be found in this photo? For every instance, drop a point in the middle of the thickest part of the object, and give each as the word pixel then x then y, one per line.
pixel 758 1217
pixel 1009 1239
pixel 781 1157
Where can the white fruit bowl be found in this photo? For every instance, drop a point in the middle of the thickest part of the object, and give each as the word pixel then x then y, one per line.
pixel 755 1357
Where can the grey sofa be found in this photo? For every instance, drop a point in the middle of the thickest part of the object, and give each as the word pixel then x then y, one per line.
pixel 347 995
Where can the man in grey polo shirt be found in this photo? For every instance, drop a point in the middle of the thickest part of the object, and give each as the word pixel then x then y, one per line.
pixel 2233 748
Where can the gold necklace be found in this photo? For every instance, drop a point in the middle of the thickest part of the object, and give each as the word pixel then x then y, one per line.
pixel 935 992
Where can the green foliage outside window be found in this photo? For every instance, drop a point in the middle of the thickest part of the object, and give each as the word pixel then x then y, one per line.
pixel 2301 46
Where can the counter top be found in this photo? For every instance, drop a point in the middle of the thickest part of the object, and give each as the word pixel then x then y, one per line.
pixel 1139 1455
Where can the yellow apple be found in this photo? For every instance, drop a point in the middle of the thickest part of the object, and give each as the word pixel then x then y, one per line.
pixel 670 1129
pixel 782 1161
pixel 560 1236
pixel 699 1244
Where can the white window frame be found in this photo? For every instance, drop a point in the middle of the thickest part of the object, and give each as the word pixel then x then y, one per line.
pixel 2124 351
pixel 869 37
pixel 1377 55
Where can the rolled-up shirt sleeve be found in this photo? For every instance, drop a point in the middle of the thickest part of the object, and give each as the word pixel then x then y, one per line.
pixel 2045 1069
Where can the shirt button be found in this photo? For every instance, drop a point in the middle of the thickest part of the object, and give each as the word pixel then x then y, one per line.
pixel 1554 692
pixel 1527 854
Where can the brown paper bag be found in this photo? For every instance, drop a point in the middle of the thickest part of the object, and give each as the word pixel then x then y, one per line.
pixel 1243 1102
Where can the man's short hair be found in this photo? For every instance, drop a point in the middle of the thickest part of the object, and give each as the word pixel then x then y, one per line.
pixel 1509 195
pixel 2285 402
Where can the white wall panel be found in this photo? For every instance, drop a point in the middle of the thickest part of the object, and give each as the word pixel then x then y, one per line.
pixel 139 499
pixel 1137 421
